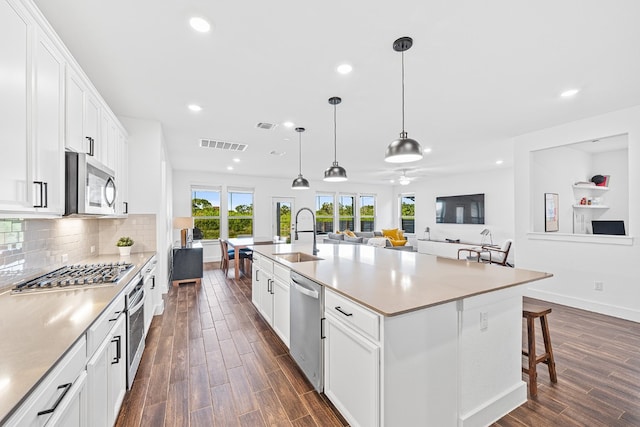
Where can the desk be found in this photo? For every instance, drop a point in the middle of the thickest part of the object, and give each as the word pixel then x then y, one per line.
pixel 243 242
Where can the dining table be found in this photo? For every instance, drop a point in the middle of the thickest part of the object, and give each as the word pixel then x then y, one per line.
pixel 238 243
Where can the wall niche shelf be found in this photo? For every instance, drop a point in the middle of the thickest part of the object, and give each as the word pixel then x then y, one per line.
pixel 590 207
pixel 589 187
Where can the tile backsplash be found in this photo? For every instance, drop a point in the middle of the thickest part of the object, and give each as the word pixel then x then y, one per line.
pixel 34 246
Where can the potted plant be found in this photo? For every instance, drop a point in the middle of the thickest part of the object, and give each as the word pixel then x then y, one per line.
pixel 124 245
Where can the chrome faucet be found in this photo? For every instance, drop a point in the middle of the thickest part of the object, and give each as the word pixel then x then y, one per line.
pixel 313 217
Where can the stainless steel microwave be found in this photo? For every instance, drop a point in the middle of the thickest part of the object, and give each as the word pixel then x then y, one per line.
pixel 90 186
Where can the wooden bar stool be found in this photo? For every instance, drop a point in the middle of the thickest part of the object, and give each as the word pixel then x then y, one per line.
pixel 531 313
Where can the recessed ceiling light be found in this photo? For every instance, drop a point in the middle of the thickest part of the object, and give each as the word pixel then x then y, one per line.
pixel 288 124
pixel 426 150
pixel 570 92
pixel 277 153
pixel 286 139
pixel 199 24
pixel 344 68
pixel 194 107
pixel 499 162
pixel 229 168
pixel 237 160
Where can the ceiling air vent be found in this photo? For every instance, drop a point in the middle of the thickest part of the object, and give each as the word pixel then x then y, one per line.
pixel 222 145
pixel 266 126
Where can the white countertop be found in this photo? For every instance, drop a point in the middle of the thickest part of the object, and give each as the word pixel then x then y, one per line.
pixel 395 282
pixel 37 329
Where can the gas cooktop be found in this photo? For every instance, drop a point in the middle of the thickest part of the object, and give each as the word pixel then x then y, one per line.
pixel 76 276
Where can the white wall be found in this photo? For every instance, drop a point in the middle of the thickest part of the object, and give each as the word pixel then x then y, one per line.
pixel 264 191
pixel 150 184
pixel 578 262
pixel 497 186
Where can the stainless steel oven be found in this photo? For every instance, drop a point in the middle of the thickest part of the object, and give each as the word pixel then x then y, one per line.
pixel 135 327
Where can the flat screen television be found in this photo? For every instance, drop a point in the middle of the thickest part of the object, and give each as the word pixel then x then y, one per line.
pixel 610 227
pixel 465 209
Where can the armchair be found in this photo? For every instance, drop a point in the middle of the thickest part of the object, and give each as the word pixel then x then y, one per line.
pixel 489 253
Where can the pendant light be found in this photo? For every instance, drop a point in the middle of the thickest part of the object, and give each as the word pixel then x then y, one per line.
pixel 335 173
pixel 403 149
pixel 300 183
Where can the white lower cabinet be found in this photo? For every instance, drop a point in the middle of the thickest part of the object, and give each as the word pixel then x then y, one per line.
pixel 61 397
pixel 270 294
pixel 351 363
pixel 280 289
pixel 107 377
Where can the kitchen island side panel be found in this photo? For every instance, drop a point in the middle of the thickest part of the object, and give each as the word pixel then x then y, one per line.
pixel 420 362
pixel 490 356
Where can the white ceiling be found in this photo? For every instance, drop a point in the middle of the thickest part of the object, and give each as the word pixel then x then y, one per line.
pixel 479 72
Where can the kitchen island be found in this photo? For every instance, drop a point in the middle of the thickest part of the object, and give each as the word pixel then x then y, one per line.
pixel 440 339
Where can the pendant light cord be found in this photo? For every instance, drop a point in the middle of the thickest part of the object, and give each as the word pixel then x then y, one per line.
pixel 300 153
pixel 403 91
pixel 335 137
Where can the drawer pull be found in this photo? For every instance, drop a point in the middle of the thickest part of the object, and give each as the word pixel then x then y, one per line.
pixel 117 339
pixel 343 312
pixel 66 388
pixel 117 313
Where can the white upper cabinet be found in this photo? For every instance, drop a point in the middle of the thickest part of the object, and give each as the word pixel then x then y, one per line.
pixel 83 115
pixel 75 114
pixel 47 104
pixel 31 139
pixel 14 45
pixel 48 120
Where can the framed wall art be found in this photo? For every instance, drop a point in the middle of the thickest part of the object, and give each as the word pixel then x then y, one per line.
pixel 550 212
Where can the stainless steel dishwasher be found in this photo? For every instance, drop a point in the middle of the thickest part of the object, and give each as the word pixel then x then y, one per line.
pixel 307 305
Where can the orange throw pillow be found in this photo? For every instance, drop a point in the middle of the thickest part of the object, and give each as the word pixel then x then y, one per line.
pixel 349 233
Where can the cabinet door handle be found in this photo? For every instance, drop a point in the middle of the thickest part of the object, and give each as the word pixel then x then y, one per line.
pixel 117 339
pixel 343 312
pixel 257 275
pixel 126 207
pixel 66 388
pixel 322 335
pixel 153 282
pixel 88 138
pixel 46 195
pixel 38 205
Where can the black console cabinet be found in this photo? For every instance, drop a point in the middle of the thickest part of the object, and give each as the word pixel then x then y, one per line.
pixel 187 265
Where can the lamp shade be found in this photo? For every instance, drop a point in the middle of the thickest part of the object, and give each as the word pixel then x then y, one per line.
pixel 403 150
pixel 300 183
pixel 182 222
pixel 335 173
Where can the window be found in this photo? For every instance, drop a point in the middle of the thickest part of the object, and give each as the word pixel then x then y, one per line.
pixel 205 209
pixel 240 213
pixel 324 213
pixel 407 212
pixel 367 213
pixel 346 212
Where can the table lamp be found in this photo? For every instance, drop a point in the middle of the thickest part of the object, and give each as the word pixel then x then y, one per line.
pixel 486 232
pixel 184 224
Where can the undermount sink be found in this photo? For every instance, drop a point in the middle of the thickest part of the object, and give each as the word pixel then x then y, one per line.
pixel 298 257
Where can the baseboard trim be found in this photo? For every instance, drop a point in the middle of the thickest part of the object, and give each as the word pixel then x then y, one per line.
pixel 584 304
pixel 495 409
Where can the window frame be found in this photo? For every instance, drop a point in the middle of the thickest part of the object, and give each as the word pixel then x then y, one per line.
pixel 208 188
pixel 359 211
pixel 238 190
pixel 401 218
pixel 354 207
pixel 333 213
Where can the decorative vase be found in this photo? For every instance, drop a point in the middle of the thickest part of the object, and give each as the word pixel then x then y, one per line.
pixel 124 250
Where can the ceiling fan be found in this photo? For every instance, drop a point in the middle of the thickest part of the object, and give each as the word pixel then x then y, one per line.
pixel 404 179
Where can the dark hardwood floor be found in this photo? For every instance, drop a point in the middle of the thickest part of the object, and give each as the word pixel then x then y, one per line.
pixel 211 360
